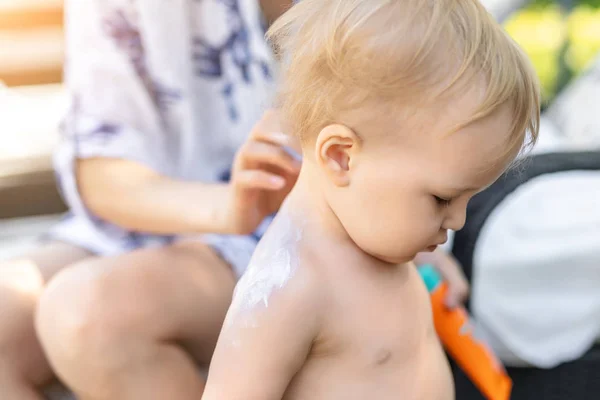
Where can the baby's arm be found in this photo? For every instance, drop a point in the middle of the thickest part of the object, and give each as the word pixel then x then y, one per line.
pixel 262 346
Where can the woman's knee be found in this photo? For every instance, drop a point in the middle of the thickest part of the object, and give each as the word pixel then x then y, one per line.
pixel 79 319
pixel 22 281
pixel 95 313
pixel 20 287
pixel 94 310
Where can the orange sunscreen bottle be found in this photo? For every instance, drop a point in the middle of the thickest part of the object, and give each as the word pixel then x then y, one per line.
pixel 455 333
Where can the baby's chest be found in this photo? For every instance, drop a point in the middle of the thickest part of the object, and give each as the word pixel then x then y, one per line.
pixel 383 327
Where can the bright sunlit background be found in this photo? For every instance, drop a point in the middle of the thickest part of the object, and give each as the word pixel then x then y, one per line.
pixel 562 37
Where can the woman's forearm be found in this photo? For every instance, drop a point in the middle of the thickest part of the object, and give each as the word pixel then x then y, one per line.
pixel 134 197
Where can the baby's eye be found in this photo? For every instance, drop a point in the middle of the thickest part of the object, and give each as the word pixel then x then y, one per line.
pixel 442 202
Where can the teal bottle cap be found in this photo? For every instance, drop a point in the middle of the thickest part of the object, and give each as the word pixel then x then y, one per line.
pixel 430 276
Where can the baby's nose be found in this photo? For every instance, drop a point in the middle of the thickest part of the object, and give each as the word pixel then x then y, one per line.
pixel 456 219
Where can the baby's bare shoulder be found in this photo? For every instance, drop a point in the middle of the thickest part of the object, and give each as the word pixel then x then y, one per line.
pixel 278 280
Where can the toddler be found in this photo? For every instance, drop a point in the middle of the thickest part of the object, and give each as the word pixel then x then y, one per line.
pixel 405 110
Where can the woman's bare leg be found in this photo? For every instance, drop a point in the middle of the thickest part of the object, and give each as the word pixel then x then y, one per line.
pixel 23 366
pixel 136 326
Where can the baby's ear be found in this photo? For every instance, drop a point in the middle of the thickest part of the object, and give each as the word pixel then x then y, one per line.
pixel 337 148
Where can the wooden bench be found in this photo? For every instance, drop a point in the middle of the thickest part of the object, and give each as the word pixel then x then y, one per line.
pixel 31 42
pixel 29 133
pixel 31 63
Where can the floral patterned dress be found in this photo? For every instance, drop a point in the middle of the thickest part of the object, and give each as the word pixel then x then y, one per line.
pixel 173 84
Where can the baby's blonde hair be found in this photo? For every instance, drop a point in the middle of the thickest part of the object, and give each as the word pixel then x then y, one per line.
pixel 340 54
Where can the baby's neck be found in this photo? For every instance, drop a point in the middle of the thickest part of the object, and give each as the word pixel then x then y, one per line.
pixel 307 205
pixel 307 209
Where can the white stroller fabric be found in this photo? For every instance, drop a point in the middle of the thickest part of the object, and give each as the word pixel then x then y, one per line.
pixel 536 265
pixel 536 278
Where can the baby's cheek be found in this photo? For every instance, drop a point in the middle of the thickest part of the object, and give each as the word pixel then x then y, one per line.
pixel 387 220
pixel 403 239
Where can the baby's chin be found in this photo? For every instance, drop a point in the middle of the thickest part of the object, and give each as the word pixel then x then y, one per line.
pixel 408 256
pixel 397 259
pixel 429 249
pixel 387 253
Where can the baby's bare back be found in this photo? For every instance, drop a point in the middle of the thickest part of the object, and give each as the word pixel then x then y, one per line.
pixel 378 342
pixel 316 318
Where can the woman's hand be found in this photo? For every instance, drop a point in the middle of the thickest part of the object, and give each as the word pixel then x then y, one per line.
pixel 451 271
pixel 265 170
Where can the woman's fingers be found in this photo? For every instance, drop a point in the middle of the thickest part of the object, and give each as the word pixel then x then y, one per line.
pixel 259 179
pixel 269 159
pixel 257 153
pixel 269 129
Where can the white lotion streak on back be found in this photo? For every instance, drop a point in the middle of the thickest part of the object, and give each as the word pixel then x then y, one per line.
pixel 271 267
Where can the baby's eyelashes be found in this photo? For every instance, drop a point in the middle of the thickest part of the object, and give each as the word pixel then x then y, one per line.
pixel 442 202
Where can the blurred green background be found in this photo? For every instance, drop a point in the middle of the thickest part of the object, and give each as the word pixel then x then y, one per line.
pixel 562 39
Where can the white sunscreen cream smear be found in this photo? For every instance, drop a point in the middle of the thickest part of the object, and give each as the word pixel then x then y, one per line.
pixel 271 267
